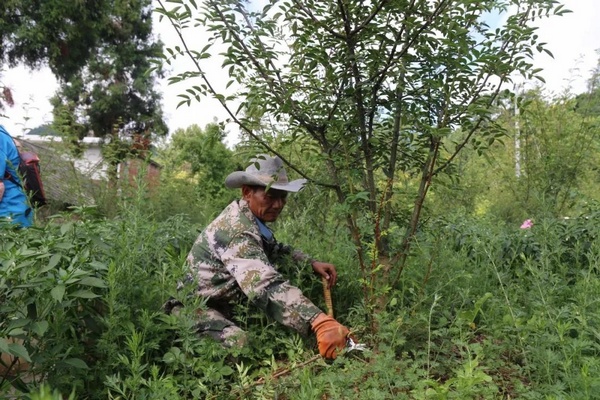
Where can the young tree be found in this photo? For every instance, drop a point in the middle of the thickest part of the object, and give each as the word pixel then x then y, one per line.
pixel 559 147
pixel 385 89
pixel 588 103
pixel 208 159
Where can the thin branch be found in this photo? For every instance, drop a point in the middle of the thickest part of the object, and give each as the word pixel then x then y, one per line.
pixel 368 20
pixel 426 177
pixel 317 22
pixel 221 100
pixel 393 158
pixel 359 99
pixel 475 96
pixel 298 116
pixel 284 371
pixel 242 11
pixel 427 23
pixel 393 56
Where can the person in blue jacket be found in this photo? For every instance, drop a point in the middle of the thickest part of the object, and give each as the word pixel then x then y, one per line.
pixel 14 206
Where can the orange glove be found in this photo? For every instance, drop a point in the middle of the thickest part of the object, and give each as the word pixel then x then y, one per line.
pixel 331 335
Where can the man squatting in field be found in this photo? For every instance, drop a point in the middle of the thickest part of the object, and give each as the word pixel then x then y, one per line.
pixel 236 256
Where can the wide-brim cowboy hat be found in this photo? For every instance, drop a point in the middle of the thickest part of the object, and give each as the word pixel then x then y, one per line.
pixel 266 171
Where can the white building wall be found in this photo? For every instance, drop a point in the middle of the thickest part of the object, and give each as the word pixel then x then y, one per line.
pixel 91 163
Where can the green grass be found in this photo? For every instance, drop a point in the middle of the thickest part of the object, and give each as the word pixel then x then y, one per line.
pixel 482 311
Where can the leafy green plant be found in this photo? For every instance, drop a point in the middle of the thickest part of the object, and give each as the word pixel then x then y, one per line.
pixel 49 277
pixel 483 310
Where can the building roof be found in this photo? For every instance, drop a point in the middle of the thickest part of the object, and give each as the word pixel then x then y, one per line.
pixel 63 183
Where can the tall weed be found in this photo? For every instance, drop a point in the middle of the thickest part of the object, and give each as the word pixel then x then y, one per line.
pixel 482 310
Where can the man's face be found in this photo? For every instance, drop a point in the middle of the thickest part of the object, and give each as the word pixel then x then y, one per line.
pixel 266 206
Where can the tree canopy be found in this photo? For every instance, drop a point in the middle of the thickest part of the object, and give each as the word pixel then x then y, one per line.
pixel 61 33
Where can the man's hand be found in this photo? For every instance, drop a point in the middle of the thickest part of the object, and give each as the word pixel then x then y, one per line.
pixel 327 271
pixel 331 335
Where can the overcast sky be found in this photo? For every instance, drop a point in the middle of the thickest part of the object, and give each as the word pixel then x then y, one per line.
pixel 573 39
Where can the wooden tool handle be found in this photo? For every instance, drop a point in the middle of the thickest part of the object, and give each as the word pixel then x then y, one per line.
pixel 327 295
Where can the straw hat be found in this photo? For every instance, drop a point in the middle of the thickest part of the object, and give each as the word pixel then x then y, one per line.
pixel 264 171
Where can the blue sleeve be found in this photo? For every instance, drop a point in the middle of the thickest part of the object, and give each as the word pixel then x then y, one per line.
pixel 3 155
pixel 8 154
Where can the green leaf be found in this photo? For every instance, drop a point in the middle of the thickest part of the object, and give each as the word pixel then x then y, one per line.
pixel 226 370
pixel 169 358
pixel 18 323
pixel 58 292
pixel 98 266
pixel 84 294
pixel 76 362
pixel 18 350
pixel 17 332
pixel 66 228
pixel 39 327
pixel 64 245
pixel 3 345
pixel 93 281
pixel 54 260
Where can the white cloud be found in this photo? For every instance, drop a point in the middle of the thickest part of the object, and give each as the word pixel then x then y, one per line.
pixel 573 39
pixel 31 92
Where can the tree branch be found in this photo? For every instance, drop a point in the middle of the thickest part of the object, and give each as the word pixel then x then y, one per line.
pixel 223 103
pixel 368 20
pixel 360 106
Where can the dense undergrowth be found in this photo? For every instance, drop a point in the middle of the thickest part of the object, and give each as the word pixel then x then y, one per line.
pixel 484 310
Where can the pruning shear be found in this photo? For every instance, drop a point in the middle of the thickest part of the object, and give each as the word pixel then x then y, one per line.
pixel 351 345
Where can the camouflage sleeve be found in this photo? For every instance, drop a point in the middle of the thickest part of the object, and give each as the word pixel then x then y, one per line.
pixel 247 262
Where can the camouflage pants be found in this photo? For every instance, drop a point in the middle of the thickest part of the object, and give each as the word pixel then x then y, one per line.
pixel 212 323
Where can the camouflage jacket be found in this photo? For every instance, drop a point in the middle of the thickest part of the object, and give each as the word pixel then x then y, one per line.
pixel 230 259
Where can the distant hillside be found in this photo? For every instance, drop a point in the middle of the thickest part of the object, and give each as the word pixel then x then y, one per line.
pixel 43 130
